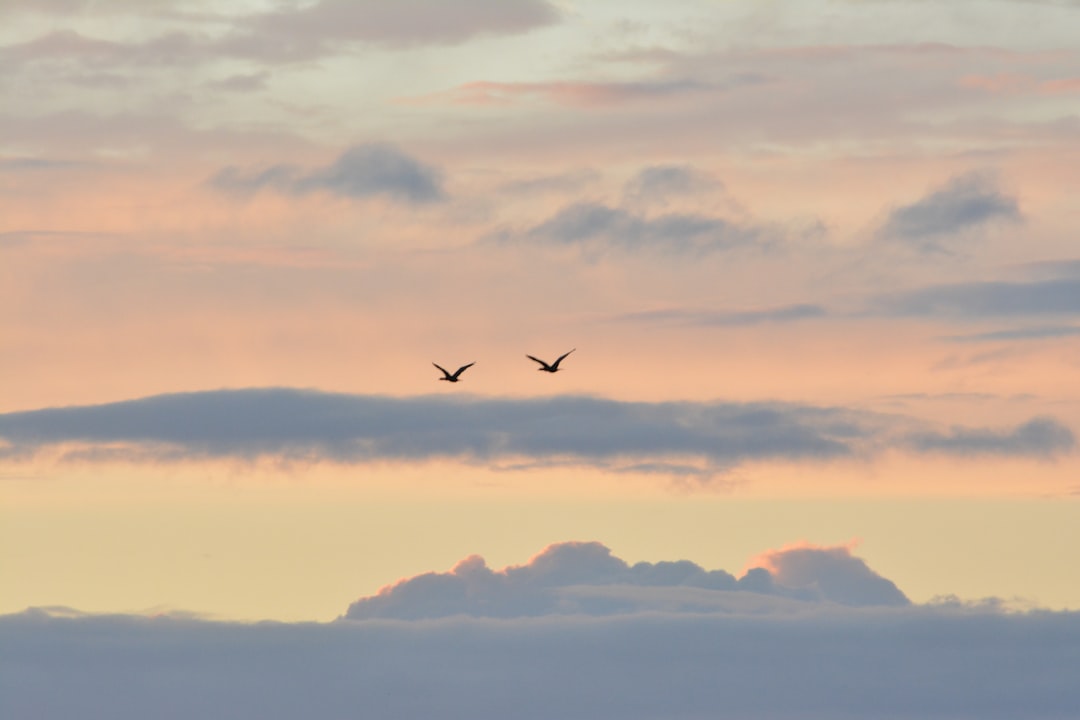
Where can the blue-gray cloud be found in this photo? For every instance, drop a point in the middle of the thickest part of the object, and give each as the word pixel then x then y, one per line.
pixel 1039 436
pixel 1038 332
pixel 979 300
pixel 1053 269
pixel 584 578
pixel 308 425
pixel 910 663
pixel 968 201
pixel 659 182
pixel 15 164
pixel 361 171
pixel 727 318
pixel 598 226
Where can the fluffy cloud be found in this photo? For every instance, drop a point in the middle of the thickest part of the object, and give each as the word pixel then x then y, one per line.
pixel 308 425
pixel 583 578
pixel 833 572
pixel 360 172
pixel 966 202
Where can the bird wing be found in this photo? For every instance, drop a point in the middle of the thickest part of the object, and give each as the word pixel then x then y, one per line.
pixel 556 363
pixel 463 368
pixel 443 369
pixel 536 359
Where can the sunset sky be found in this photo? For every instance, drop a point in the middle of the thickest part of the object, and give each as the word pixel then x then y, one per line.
pixel 818 261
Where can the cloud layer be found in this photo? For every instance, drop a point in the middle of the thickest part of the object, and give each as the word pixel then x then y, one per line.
pixel 309 425
pixel 575 633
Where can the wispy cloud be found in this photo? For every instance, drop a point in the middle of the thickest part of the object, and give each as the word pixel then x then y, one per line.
pixel 1039 436
pixel 313 426
pixel 985 300
pixel 1038 332
pixel 726 318
pixel 361 171
pixel 574 94
pixel 598 226
pixel 291 32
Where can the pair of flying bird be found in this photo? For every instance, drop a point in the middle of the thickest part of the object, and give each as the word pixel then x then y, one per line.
pixel 544 367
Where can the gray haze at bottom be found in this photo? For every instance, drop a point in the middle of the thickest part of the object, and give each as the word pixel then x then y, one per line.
pixel 897 663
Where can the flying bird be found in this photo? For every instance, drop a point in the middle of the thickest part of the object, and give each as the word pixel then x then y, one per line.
pixel 553 367
pixel 454 378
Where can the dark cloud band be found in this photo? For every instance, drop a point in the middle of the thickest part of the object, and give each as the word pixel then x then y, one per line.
pixel 309 425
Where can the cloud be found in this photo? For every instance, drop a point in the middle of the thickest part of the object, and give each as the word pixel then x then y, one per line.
pixel 1039 436
pixel 402 23
pixel 660 181
pixel 361 171
pixel 720 318
pixel 594 225
pixel 985 300
pixel 290 33
pixel 768 658
pixel 29 163
pixel 833 572
pixel 581 95
pixel 566 182
pixel 1054 269
pixel 584 578
pixel 306 425
pixel 657 184
pixel 966 202
pixel 1038 332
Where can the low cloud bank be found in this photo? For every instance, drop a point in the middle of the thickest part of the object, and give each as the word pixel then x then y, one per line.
pixel 754 654
pixel 306 425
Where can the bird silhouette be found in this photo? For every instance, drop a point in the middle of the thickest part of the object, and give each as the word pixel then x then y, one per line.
pixel 553 367
pixel 454 377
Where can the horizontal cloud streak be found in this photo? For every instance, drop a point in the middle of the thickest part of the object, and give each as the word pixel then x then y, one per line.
pixel 733 318
pixel 594 225
pixel 1040 436
pixel 1040 332
pixel 308 425
pixel 361 171
pixel 985 300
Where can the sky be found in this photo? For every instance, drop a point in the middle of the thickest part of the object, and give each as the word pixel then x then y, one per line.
pixel 817 263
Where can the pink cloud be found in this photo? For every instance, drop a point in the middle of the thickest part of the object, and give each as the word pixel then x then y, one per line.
pixel 1062 86
pixel 570 94
pixel 831 571
pixel 999 84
